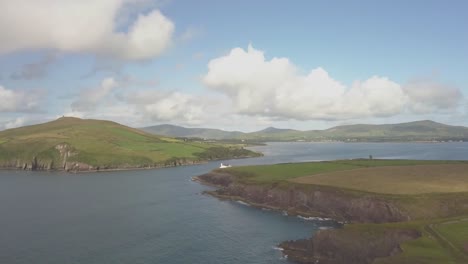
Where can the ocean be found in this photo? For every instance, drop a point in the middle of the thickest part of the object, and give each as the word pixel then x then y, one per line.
pixel 160 215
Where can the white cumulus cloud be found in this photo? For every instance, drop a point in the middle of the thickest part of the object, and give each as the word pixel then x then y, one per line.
pixel 428 96
pixel 89 99
pixel 19 100
pixel 85 26
pixel 168 106
pixel 17 122
pixel 276 88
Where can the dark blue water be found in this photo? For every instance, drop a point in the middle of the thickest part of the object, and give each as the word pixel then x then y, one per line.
pixel 159 216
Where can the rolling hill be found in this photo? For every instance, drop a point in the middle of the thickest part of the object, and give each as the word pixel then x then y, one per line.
pixel 76 144
pixel 419 130
pixel 425 130
pixel 178 131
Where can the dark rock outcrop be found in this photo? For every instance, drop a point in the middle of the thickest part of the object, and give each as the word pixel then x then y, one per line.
pixel 33 164
pixel 339 246
pixel 308 201
pixel 65 160
pixel 347 247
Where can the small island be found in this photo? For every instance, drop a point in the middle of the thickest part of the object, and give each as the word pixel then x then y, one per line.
pixel 79 145
pixel 392 211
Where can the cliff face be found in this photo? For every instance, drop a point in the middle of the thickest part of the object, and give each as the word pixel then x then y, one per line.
pixel 33 164
pixel 338 246
pixel 64 160
pixel 332 203
pixel 347 247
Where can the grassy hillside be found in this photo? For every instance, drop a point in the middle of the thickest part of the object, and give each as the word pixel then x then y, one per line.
pixel 419 130
pixel 417 179
pixel 440 241
pixel 177 131
pixel 433 194
pixel 413 131
pixel 101 144
pixel 351 172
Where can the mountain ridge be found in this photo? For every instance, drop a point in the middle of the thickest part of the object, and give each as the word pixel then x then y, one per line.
pixel 421 130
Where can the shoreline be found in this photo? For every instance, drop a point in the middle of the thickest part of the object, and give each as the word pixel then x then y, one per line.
pixel 79 171
pixel 99 170
pixel 300 214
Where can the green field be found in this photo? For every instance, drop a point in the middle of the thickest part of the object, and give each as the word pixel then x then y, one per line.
pixel 293 171
pixel 456 234
pixel 442 241
pixel 417 179
pixel 101 143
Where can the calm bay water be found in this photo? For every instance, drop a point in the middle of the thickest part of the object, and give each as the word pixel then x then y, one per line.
pixel 159 216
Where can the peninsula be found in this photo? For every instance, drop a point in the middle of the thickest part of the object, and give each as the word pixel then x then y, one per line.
pixel 73 144
pixel 393 211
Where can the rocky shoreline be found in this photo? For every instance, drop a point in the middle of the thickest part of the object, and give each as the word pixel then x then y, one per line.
pixel 65 157
pixel 293 198
pixel 332 246
pixel 339 247
pixel 80 167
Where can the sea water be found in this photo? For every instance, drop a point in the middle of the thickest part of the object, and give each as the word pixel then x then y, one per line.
pixel 160 216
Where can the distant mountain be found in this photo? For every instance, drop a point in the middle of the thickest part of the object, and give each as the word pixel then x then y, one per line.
pixel 178 131
pixel 274 130
pixel 425 130
pixel 418 130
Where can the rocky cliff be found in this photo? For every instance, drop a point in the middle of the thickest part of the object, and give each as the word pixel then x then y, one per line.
pixel 311 201
pixel 347 246
pixel 338 246
pixel 63 159
pixel 24 164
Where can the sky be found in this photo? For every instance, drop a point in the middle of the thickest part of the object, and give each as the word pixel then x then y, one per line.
pixel 234 65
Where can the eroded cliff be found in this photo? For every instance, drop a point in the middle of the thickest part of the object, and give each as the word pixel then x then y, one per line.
pixel 343 206
pixel 337 246
pixel 347 246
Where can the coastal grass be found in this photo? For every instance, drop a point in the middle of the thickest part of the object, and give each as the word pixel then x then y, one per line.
pixel 441 241
pixel 417 179
pixel 383 176
pixel 456 233
pixel 282 172
pixel 99 143
pixel 430 248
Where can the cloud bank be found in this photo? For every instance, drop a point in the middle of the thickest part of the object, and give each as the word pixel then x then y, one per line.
pixel 18 101
pixel 35 70
pixel 277 89
pixel 17 122
pixel 428 96
pixel 85 26
pixel 251 88
pixel 168 106
pixel 89 99
pixel 117 98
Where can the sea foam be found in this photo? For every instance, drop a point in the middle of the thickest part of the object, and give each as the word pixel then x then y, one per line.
pixel 314 218
pixel 242 202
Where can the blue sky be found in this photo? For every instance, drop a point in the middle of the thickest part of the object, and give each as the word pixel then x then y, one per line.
pixel 236 65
